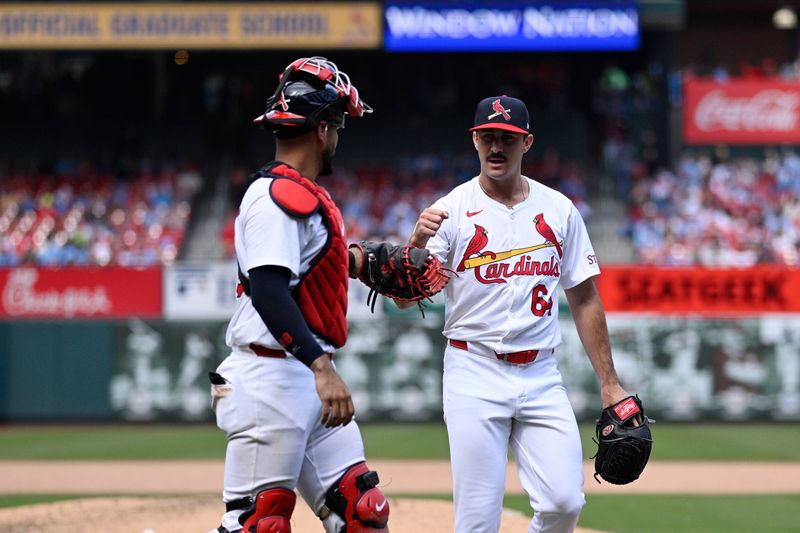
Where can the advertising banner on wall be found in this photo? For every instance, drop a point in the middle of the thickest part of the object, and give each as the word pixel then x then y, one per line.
pixel 200 292
pixel 741 111
pixel 79 293
pixel 687 368
pixel 487 26
pixel 392 366
pixel 207 291
pixel 160 369
pixel 301 25
pixel 704 291
pixel 683 368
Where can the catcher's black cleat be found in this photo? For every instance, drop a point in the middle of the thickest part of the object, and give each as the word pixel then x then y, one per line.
pixel 221 529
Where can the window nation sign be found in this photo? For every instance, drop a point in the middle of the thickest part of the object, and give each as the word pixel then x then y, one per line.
pixel 533 26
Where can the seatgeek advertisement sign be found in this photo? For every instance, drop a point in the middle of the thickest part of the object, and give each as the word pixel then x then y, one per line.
pixel 524 26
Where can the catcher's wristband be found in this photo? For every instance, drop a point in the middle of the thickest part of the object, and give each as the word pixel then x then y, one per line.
pixel 353 271
pixel 351 266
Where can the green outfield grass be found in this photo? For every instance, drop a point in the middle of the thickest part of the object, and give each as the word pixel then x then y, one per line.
pixel 709 442
pixel 639 513
pixel 112 442
pixel 15 500
pixel 618 514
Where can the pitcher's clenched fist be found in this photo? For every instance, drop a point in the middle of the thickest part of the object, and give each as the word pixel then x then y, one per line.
pixel 427 226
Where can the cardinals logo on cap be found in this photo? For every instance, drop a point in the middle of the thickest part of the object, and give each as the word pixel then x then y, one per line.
pixel 499 110
pixel 503 113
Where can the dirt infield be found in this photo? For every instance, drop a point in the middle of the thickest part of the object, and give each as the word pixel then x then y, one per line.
pixel 198 506
pixel 397 477
pixel 198 514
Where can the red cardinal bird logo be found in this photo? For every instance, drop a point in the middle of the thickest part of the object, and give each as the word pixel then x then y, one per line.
pixel 500 110
pixel 476 244
pixel 547 232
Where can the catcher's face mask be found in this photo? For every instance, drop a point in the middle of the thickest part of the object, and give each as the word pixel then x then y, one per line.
pixel 311 90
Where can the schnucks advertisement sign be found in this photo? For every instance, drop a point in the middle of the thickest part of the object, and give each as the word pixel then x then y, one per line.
pixel 741 111
pixel 79 293
pixel 485 26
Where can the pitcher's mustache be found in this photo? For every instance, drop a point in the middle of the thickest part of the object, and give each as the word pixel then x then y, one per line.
pixel 497 156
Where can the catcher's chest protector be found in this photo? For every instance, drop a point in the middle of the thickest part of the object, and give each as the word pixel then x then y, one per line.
pixel 322 291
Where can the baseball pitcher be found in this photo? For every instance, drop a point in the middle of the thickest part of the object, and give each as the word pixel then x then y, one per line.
pixel 511 241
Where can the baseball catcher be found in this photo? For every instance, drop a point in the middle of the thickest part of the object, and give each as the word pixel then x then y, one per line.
pixel 623 442
pixel 404 273
pixel 289 321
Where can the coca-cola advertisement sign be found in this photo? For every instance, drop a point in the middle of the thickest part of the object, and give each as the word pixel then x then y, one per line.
pixel 741 111
pixel 79 293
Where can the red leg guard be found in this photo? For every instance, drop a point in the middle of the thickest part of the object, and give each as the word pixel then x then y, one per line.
pixel 359 502
pixel 270 513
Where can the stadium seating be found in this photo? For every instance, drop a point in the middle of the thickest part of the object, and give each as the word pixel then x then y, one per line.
pixel 382 202
pixel 732 212
pixel 87 218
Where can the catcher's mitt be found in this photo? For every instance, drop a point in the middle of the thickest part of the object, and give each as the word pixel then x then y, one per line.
pixel 623 442
pixel 400 272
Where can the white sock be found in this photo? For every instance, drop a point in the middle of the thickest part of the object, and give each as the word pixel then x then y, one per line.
pixel 230 520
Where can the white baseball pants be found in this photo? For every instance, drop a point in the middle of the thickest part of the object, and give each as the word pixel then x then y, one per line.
pixel 271 419
pixel 490 405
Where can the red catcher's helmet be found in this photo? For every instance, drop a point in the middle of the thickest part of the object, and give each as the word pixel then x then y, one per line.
pixel 311 90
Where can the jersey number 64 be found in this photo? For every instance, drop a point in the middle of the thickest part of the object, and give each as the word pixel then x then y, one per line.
pixel 539 304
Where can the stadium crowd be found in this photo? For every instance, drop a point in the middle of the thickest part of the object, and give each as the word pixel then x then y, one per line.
pixel 76 215
pixel 383 202
pixel 729 211
pixel 705 210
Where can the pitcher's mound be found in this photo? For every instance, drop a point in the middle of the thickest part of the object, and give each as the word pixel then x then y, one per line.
pixel 199 514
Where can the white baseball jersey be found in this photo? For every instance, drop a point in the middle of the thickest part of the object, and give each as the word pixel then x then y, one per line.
pixel 509 262
pixel 508 265
pixel 268 407
pixel 260 220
